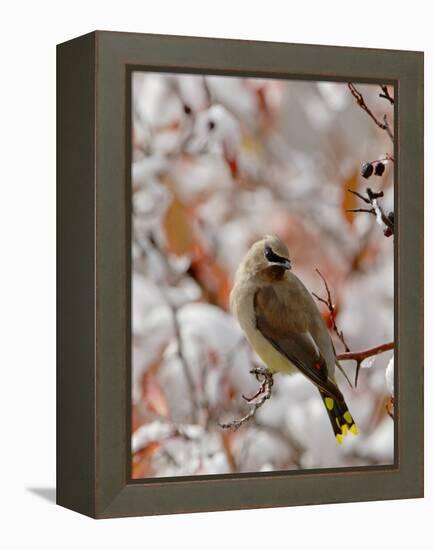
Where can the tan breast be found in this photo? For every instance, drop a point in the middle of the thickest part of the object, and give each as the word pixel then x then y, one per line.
pixel 242 307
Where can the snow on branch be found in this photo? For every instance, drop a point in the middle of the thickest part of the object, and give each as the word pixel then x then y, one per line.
pixel 376 209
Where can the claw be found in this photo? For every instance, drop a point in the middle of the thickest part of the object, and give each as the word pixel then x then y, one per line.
pixel 257 394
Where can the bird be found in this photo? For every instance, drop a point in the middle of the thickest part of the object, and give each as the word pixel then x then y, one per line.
pixel 283 324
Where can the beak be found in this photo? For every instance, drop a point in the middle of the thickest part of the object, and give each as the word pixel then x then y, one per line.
pixel 286 264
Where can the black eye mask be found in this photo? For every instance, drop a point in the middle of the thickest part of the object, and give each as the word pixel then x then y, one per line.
pixel 272 257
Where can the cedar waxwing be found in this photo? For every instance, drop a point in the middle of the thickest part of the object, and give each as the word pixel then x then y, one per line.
pixel 284 326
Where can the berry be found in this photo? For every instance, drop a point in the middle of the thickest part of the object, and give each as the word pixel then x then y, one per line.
pixel 187 109
pixel 388 230
pixel 367 170
pixel 211 125
pixel 379 169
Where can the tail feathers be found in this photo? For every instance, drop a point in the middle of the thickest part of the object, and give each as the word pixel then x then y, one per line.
pixel 340 418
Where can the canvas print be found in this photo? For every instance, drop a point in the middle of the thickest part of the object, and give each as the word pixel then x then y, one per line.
pixel 262 275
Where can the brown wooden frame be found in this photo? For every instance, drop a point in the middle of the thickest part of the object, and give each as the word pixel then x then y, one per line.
pixel 94 209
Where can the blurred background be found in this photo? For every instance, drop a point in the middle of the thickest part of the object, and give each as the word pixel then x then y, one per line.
pixel 218 162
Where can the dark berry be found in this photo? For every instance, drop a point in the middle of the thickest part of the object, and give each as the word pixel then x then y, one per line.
pixel 367 170
pixel 211 125
pixel 187 109
pixel 388 232
pixel 379 169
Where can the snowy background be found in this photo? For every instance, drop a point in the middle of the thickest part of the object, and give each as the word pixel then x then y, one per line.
pixel 218 162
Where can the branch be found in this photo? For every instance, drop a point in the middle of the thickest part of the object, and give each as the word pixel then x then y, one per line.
pixel 387 127
pixel 361 103
pixel 264 390
pixel 360 356
pixel 384 159
pixel 386 94
pixel 177 331
pixel 184 364
pixel 376 210
pixel 332 310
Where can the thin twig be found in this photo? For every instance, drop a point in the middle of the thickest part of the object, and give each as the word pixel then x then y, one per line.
pixel 332 310
pixel 371 199
pixel 387 127
pixel 361 103
pixel 386 157
pixel 184 364
pixel 207 91
pixel 177 331
pixel 360 356
pixel 265 390
pixel 385 94
pixel 370 211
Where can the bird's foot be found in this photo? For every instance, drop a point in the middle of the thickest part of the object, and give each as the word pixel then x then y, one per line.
pixel 265 393
pixel 267 382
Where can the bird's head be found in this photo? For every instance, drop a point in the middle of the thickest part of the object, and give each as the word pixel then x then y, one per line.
pixel 268 257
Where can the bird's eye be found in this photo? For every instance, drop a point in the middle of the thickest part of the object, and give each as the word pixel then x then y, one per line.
pixel 268 253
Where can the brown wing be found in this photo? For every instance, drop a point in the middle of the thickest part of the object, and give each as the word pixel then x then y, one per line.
pixel 290 335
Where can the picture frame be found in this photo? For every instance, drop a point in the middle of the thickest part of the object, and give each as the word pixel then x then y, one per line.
pixel 94 274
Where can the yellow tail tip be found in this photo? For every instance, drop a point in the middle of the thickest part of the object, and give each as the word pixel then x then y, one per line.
pixel 329 403
pixel 348 417
pixel 354 429
pixel 339 439
pixel 345 429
